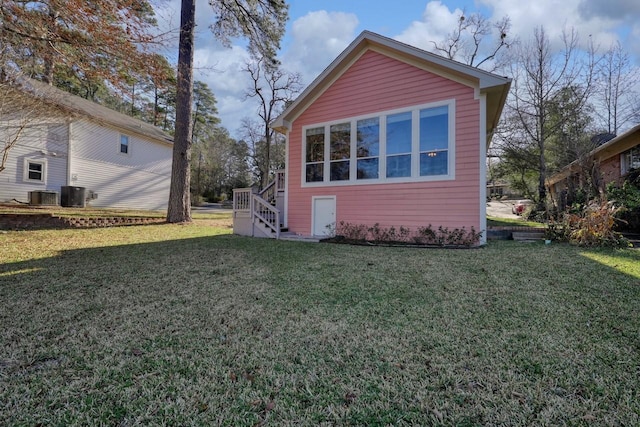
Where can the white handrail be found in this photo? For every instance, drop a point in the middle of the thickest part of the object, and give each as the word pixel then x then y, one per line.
pixel 267 213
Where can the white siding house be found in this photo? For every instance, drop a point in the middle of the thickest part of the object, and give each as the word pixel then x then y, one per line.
pixel 121 162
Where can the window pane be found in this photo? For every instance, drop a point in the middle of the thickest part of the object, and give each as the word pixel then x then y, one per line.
pixel 124 144
pixel 368 137
pixel 399 133
pixel 340 147
pixel 368 168
pixel 434 129
pixel 340 171
pixel 315 172
pixel 634 161
pixel 433 163
pixel 398 166
pixel 35 171
pixel 315 145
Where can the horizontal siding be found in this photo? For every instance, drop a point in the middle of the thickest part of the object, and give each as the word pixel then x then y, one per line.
pixel 138 180
pixel 376 83
pixel 122 187
pixel 43 141
pixel 92 141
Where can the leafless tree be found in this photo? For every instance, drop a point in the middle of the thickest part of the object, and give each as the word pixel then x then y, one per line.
pixel 21 105
pixel 262 23
pixel 468 42
pixel 616 98
pixel 273 88
pixel 539 75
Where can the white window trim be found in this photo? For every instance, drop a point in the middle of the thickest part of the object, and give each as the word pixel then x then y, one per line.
pixel 382 165
pixel 625 160
pixel 128 153
pixel 25 175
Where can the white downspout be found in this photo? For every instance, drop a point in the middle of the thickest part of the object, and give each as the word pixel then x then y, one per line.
pixel 69 140
pixel 483 169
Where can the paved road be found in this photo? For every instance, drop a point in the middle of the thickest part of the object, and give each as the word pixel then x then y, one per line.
pixel 209 208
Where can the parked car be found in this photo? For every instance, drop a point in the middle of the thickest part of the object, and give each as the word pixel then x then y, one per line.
pixel 520 206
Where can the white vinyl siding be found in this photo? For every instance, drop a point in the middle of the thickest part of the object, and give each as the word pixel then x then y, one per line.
pixel 139 180
pixel 43 143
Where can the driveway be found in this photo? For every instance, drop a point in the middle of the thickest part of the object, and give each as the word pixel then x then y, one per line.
pixel 501 209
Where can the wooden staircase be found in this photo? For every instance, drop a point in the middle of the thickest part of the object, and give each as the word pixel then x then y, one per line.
pixel 259 214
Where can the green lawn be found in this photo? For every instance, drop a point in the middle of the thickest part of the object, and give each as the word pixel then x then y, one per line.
pixel 512 222
pixel 188 325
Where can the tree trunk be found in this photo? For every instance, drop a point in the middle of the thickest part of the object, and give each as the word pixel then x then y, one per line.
pixel 179 209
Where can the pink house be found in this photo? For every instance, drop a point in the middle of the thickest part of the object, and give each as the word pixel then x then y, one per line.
pixel 387 134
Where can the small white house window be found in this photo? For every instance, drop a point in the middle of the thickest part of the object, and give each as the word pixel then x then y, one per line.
pixel 124 144
pixel 35 170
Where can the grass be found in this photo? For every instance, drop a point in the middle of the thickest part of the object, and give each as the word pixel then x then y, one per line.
pixel 103 212
pixel 511 222
pixel 188 325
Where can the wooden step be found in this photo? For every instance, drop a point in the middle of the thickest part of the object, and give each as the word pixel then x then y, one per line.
pixel 528 236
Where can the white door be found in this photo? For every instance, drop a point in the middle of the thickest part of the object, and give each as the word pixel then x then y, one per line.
pixel 323 217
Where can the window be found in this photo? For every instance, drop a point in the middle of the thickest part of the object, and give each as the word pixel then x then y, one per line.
pixel 434 141
pixel 368 148
pixel 340 151
pixel 412 144
pixel 315 155
pixel 124 144
pixel 35 170
pixel 399 145
pixel 630 160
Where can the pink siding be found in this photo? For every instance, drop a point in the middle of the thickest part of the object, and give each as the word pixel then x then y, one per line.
pixel 378 83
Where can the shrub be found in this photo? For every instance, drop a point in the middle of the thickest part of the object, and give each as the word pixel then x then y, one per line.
pixel 627 197
pixel 353 232
pixel 594 226
pixel 445 237
pixel 442 236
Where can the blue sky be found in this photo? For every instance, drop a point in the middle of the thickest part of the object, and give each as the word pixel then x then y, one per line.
pixel 318 31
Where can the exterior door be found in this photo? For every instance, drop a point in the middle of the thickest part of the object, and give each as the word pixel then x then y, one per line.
pixel 323 217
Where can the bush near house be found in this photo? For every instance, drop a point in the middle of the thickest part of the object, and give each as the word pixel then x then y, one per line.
pixel 593 226
pixel 423 236
pixel 627 196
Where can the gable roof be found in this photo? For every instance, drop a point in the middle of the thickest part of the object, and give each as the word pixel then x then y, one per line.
pixel 613 147
pixel 495 87
pixel 80 106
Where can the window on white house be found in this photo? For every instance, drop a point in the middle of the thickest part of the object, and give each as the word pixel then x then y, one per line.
pixel 35 170
pixel 413 144
pixel 124 144
pixel 630 159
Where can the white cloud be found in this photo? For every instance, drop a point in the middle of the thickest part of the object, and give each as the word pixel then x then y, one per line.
pixel 557 17
pixel 317 39
pixel 437 22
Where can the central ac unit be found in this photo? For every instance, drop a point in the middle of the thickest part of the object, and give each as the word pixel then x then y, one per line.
pixel 40 197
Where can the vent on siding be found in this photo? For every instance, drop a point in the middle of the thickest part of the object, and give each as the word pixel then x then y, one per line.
pixel 43 198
